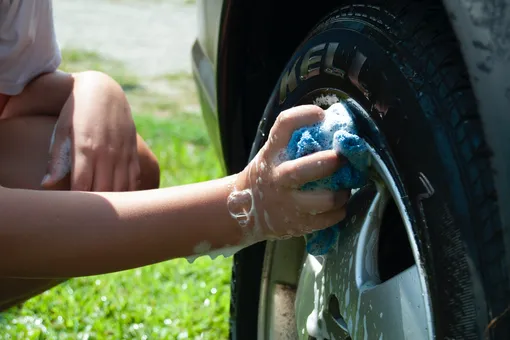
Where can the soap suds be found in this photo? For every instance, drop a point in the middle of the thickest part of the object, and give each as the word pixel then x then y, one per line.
pixel 268 222
pixel 314 323
pixel 202 247
pixel 62 164
pixel 280 157
pixel 240 206
pixel 365 330
pixel 226 251
pixel 326 101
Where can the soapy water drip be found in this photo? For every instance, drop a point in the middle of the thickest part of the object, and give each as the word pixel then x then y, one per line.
pixel 62 163
pixel 226 251
pixel 241 205
pixel 315 326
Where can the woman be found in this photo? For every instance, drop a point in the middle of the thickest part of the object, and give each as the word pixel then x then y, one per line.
pixel 93 208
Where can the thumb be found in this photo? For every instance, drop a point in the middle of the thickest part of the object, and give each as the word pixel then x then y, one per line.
pixel 59 164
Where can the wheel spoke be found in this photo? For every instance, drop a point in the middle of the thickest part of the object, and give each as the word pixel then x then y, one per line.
pixel 341 295
pixel 393 309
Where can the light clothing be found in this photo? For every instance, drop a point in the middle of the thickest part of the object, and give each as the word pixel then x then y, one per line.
pixel 28 45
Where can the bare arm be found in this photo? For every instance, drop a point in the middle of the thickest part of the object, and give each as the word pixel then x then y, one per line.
pixel 66 234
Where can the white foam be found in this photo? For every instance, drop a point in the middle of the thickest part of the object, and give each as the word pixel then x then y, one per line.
pixel 238 203
pixel 202 247
pixel 226 251
pixel 314 327
pixel 326 100
pixel 268 222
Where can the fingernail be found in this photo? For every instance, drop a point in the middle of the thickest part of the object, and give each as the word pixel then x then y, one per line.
pixel 45 179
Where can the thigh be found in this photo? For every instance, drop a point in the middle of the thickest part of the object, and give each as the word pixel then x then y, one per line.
pixel 24 146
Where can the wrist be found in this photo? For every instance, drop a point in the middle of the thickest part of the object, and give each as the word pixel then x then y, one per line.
pixel 242 209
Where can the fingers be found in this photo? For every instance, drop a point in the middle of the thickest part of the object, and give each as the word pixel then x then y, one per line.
pixel 82 173
pixel 103 175
pixel 319 201
pixel 290 120
pixel 110 173
pixel 134 173
pixel 310 168
pixel 59 164
pixel 109 176
pixel 327 220
pixel 120 178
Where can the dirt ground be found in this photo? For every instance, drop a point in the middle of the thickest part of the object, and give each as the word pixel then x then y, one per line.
pixel 151 37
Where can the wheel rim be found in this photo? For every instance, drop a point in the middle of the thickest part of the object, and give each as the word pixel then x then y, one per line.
pixel 357 290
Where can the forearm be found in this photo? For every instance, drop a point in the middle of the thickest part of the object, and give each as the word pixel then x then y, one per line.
pixel 45 95
pixel 66 234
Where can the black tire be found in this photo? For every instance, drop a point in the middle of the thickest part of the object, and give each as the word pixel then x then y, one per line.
pixel 416 89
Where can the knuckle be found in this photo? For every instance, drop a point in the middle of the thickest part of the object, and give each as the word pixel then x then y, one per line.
pixel 105 150
pixel 86 146
pixel 288 175
pixel 318 111
pixel 284 118
pixel 315 110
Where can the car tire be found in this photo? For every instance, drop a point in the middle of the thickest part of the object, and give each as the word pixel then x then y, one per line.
pixel 401 62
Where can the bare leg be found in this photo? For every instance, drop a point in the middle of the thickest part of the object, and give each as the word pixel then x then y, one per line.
pixel 24 144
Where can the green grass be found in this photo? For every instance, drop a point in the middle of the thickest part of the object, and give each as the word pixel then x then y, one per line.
pixel 171 300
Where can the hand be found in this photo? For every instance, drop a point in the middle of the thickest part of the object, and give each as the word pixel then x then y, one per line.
pixel 95 138
pixel 266 199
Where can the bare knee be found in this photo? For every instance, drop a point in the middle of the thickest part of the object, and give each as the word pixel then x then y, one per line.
pixel 24 144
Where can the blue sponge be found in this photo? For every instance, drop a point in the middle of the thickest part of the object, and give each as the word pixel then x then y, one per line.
pixel 338 132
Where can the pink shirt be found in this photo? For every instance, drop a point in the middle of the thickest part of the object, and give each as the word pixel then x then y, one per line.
pixel 28 45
